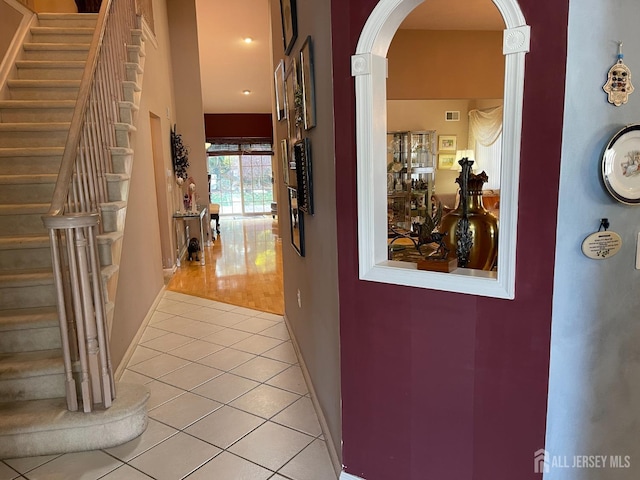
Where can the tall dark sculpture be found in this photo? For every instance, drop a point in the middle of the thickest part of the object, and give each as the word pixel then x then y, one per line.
pixel 473 229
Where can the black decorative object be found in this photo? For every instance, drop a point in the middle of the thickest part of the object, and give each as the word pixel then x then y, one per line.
pixel 179 154
pixel 307 83
pixel 302 157
pixel 464 239
pixel 289 24
pixel 296 219
pixel 427 234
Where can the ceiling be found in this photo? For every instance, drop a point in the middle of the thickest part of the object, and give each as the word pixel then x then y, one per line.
pixel 228 65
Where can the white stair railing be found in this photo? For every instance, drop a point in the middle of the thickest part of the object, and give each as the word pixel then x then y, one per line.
pixel 73 220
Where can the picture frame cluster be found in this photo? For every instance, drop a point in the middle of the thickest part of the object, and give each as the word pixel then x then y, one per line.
pixel 295 105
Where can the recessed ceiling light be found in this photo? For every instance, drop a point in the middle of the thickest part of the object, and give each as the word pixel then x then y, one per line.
pixel 248 40
pixel 246 92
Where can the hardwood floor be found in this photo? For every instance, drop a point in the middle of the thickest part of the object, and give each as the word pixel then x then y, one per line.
pixel 243 266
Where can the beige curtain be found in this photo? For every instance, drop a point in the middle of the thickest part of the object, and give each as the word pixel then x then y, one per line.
pixel 485 126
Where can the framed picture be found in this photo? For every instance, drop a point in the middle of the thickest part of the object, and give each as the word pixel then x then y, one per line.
pixel 281 108
pixel 294 119
pixel 302 156
pixel 308 88
pixel 447 143
pixel 284 153
pixel 289 24
pixel 296 218
pixel 446 161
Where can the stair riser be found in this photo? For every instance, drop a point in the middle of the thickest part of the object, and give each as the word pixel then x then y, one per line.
pixel 25 258
pixel 84 20
pixel 57 93
pixel 32 388
pixel 67 73
pixel 30 340
pixel 113 221
pixel 118 190
pixel 24 297
pixel 110 253
pixel 38 37
pixel 18 115
pixel 29 165
pixel 61 55
pixel 22 224
pixel 21 139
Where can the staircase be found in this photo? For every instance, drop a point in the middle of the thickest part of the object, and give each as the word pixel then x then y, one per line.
pixel 36 107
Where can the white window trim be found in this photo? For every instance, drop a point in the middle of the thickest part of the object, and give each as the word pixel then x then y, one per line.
pixel 369 67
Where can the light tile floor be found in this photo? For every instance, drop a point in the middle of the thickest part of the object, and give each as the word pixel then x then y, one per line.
pixel 228 402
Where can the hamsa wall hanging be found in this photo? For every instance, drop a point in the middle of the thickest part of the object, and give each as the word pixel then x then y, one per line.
pixel 618 86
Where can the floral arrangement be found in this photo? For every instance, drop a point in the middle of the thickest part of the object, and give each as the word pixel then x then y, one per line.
pixel 180 156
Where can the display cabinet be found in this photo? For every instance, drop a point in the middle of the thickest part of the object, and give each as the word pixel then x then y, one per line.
pixel 411 158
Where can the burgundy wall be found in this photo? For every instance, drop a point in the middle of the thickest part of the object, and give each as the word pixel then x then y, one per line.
pixel 238 125
pixel 442 385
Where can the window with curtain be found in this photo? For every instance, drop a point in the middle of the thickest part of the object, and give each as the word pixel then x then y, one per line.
pixel 485 135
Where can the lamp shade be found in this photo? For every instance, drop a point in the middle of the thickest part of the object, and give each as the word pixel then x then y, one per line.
pixel 460 154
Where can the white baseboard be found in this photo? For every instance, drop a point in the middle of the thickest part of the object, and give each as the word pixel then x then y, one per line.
pixel 346 476
pixel 134 343
pixel 333 454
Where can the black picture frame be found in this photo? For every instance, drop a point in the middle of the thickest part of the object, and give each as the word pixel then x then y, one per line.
pixel 284 153
pixel 296 221
pixel 291 87
pixel 281 104
pixel 308 86
pixel 302 157
pixel 289 24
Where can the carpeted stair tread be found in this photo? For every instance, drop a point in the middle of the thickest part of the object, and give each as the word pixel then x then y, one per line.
pixel 21 83
pixel 46 427
pixel 30 364
pixel 34 126
pixel 50 64
pixel 24 208
pixel 37 104
pixel 31 151
pixel 62 30
pixel 23 241
pixel 28 318
pixel 28 179
pixel 26 278
pixel 47 46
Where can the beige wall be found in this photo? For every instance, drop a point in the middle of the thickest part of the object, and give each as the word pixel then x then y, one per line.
pixel 54 6
pixel 189 111
pixel 426 64
pixel 316 322
pixel 10 19
pixel 141 274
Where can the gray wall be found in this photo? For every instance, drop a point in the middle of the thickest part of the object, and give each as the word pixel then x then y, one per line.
pixel 594 389
pixel 316 323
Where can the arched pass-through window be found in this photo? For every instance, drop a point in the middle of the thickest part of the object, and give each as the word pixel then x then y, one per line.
pixel 369 67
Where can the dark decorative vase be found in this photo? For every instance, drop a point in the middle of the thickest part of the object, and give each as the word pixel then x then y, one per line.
pixel 471 231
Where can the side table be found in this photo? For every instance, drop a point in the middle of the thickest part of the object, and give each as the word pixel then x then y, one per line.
pixel 183 218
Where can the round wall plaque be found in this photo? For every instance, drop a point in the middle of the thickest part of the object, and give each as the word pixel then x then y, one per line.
pixel 601 245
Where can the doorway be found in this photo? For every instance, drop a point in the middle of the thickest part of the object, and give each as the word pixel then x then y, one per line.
pixel 242 184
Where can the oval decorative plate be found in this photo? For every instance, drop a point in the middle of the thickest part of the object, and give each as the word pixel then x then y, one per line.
pixel 621 165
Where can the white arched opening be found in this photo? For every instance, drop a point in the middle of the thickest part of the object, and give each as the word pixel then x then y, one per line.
pixel 369 67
